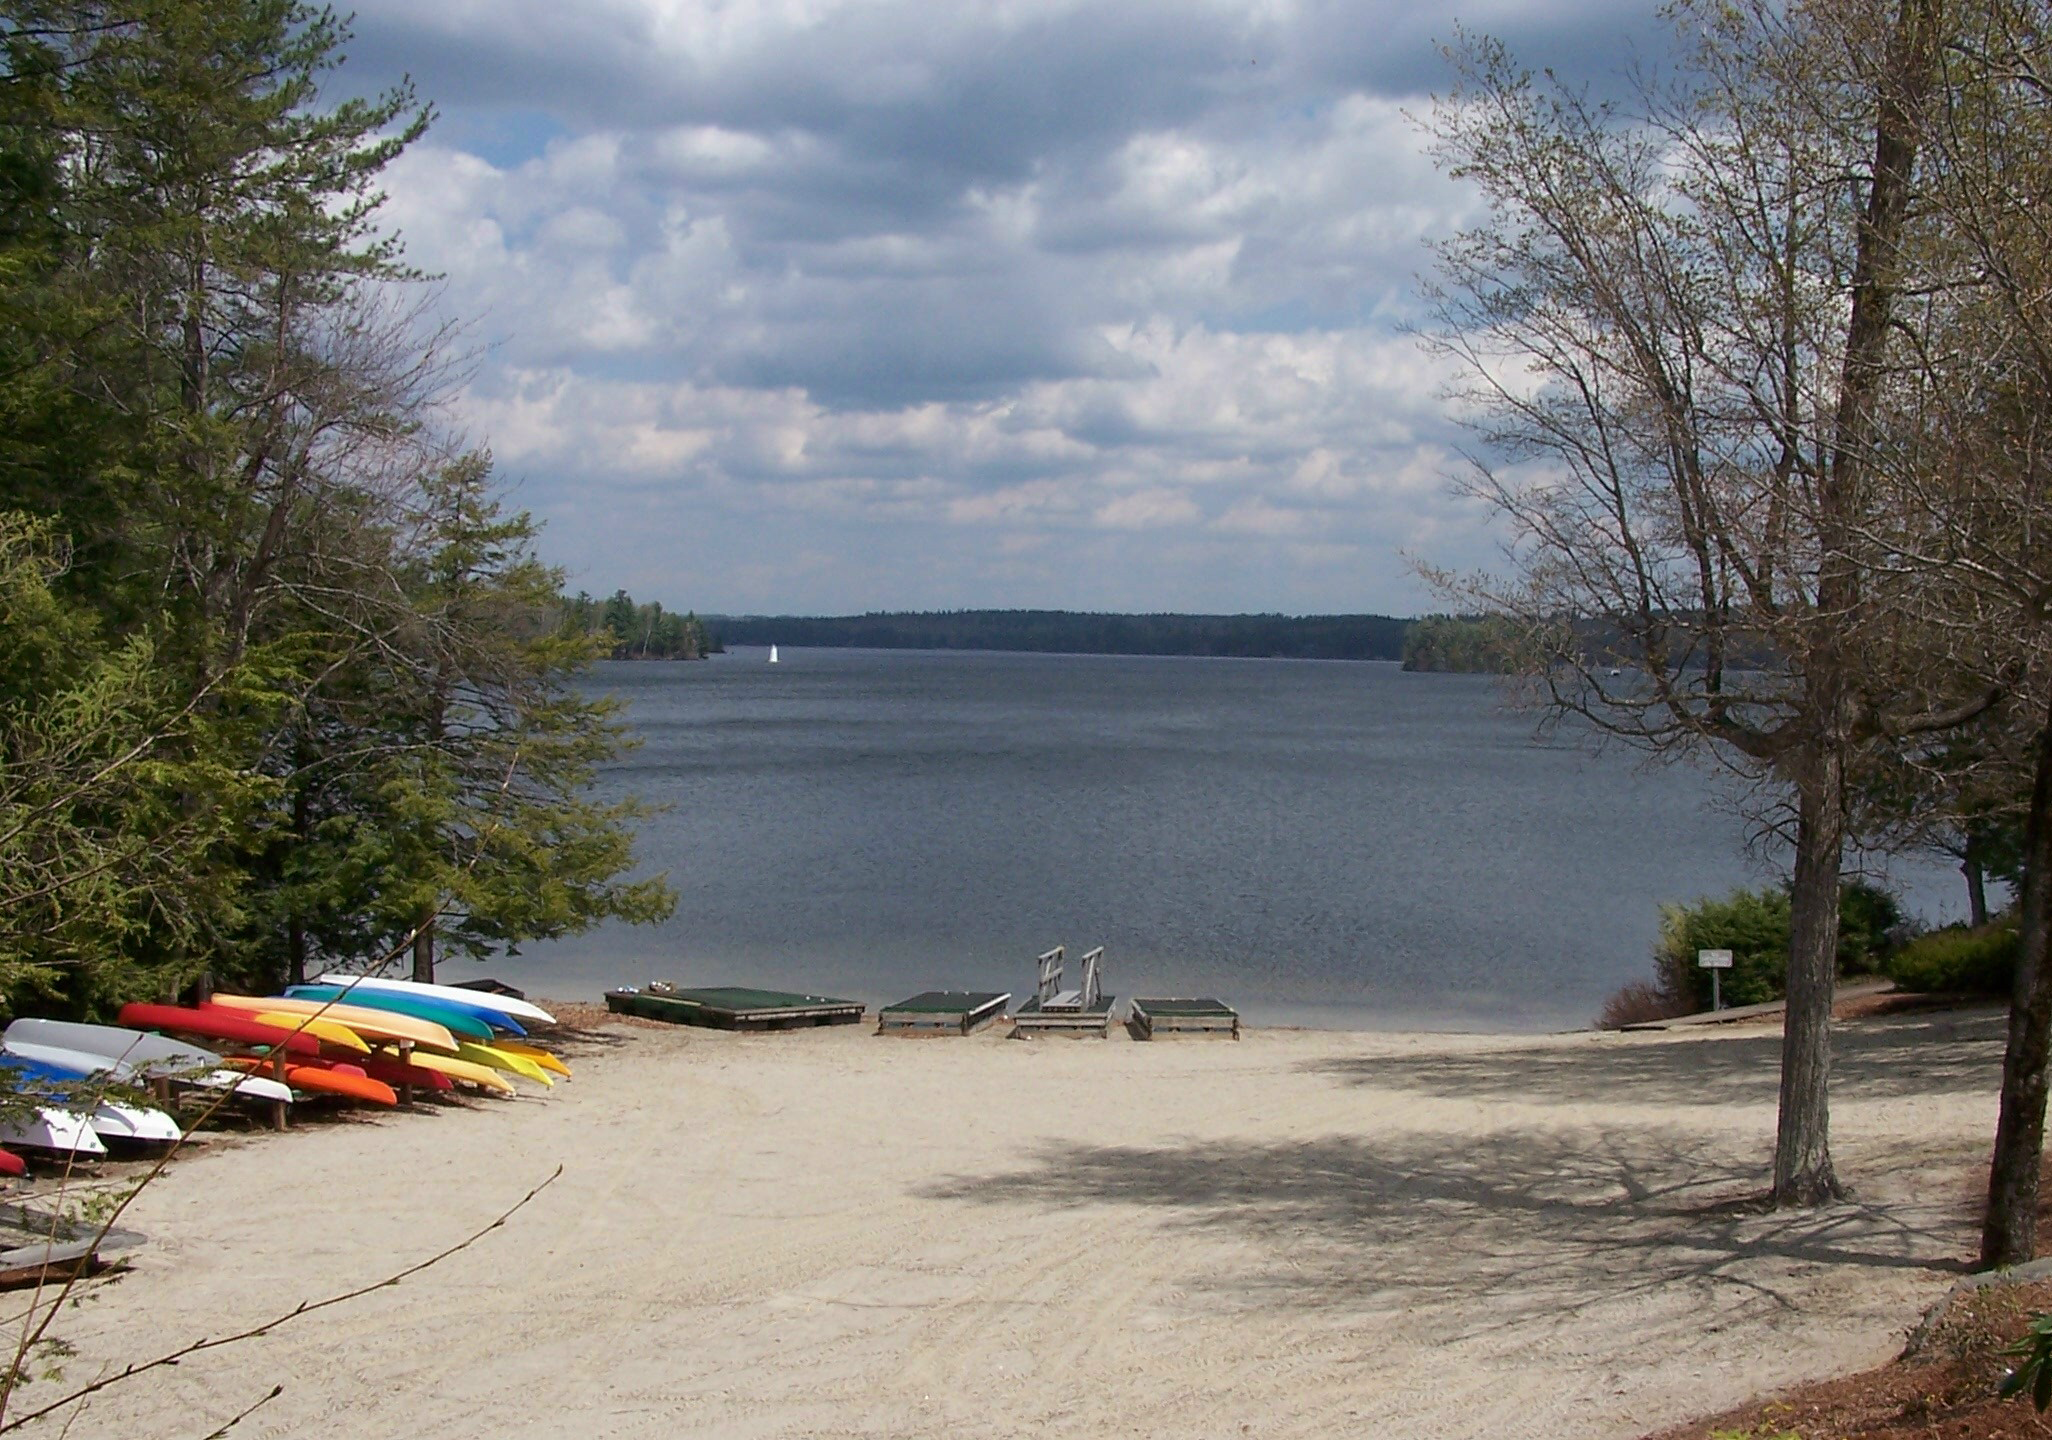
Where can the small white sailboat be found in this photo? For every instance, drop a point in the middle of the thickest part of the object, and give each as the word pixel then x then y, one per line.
pixel 773 654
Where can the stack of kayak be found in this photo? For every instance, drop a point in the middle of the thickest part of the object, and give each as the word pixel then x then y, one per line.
pixel 352 1038
pixel 84 1085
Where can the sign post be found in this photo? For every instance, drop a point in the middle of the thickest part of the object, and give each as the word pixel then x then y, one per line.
pixel 1715 961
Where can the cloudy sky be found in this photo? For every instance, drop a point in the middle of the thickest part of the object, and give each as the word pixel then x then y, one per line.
pixel 833 305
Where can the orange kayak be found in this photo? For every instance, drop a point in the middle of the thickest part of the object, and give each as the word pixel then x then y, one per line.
pixel 346 1081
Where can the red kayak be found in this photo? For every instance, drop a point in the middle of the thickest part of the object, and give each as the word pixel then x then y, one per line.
pixel 11 1164
pixel 396 1072
pixel 217 1025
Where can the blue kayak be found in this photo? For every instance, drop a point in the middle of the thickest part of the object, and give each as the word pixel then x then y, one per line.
pixel 474 1022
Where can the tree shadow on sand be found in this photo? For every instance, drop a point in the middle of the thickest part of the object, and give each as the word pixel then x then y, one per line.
pixel 1874 1059
pixel 1466 1235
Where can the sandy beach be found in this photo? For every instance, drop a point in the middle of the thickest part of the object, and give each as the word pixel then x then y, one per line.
pixel 829 1233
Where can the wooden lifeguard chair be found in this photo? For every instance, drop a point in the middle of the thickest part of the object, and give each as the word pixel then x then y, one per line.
pixel 1083 1010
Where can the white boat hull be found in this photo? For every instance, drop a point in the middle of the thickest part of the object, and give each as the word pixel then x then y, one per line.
pixel 246 1087
pixel 150 1054
pixel 139 1123
pixel 52 1129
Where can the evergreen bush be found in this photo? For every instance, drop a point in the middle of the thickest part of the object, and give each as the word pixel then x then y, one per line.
pixel 1754 926
pixel 1979 961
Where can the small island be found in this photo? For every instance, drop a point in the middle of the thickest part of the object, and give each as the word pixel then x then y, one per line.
pixel 639 632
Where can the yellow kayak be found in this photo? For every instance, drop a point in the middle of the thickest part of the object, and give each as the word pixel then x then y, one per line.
pixel 501 1060
pixel 330 1032
pixel 377 1024
pixel 465 1070
pixel 535 1053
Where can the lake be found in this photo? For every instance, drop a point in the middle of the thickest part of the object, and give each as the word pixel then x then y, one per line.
pixel 1330 843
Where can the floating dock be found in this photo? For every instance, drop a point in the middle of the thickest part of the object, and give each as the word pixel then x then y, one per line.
pixel 735 1007
pixel 1173 1015
pixel 943 1012
pixel 1034 1018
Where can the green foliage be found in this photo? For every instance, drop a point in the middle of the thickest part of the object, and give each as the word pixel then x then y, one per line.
pixel 1464 643
pixel 2033 1373
pixel 1867 918
pixel 638 632
pixel 1957 959
pixel 1754 926
pixel 111 795
pixel 279 683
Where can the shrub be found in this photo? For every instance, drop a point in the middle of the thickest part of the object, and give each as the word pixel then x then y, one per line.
pixel 1981 961
pixel 1754 925
pixel 1637 1002
pixel 1868 917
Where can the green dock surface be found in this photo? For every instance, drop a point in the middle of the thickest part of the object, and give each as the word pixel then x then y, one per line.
pixel 735 1007
pixel 1172 1014
pixel 937 1012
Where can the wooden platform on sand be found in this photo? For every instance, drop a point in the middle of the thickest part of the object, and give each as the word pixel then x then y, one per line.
pixel 1034 1018
pixel 1170 1015
pixel 735 1007
pixel 943 1012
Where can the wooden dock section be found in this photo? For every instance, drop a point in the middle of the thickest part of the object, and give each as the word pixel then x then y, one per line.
pixel 735 1007
pixel 1034 1018
pixel 943 1012
pixel 1172 1015
pixel 1053 1010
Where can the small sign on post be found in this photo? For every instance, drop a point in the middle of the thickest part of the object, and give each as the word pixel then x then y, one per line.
pixel 1715 961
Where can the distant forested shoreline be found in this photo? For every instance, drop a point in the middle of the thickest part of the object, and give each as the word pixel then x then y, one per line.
pixel 644 631
pixel 1298 637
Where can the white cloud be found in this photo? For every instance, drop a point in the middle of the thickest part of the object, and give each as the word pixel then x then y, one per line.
pixel 962 295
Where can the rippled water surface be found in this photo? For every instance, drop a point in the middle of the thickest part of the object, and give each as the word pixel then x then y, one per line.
pixel 1331 843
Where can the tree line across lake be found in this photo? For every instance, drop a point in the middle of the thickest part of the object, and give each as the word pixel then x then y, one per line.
pixel 644 630
pixel 1297 637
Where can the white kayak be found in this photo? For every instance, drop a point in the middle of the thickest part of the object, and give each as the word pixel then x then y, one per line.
pixel 150 1054
pixel 448 994
pixel 133 1056
pixel 111 1119
pixel 49 1128
pixel 246 1087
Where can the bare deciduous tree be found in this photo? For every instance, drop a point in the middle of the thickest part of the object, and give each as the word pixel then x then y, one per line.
pixel 1678 324
pixel 1969 470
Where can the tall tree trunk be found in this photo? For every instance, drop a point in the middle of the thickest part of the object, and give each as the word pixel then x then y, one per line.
pixel 1802 1142
pixel 295 934
pixel 1977 879
pixel 2009 1233
pixel 424 953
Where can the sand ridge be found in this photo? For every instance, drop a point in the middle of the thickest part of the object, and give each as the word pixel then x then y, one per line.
pixel 832 1234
